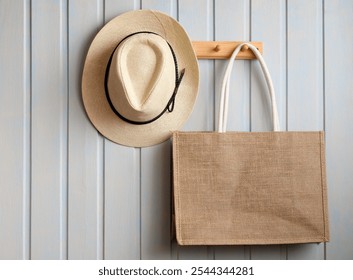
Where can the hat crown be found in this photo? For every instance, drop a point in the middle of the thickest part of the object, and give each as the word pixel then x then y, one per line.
pixel 141 76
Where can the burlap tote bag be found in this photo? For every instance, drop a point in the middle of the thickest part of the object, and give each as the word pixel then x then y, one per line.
pixel 249 187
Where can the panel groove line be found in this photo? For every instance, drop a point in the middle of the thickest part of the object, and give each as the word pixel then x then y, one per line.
pixel 29 169
pixel 67 123
pixel 101 147
pixel 250 86
pixel 323 72
pixel 287 86
pixel 323 89
pixel 101 213
pixel 64 128
pixel 27 143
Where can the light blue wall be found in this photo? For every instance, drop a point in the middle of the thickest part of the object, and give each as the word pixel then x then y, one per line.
pixel 66 192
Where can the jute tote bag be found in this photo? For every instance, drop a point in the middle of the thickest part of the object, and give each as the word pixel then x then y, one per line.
pixel 249 187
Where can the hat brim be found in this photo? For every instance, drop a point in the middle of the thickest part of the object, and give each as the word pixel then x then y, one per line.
pixel 93 92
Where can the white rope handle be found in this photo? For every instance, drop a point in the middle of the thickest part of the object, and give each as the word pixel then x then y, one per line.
pixel 223 109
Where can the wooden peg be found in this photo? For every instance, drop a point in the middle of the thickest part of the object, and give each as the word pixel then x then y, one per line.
pixel 244 48
pixel 217 48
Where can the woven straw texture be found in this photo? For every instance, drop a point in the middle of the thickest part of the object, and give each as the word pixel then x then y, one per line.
pixel 93 93
pixel 250 188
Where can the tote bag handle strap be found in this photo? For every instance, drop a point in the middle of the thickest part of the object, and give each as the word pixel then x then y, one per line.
pixel 223 110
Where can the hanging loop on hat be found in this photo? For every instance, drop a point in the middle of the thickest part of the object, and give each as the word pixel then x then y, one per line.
pixel 171 102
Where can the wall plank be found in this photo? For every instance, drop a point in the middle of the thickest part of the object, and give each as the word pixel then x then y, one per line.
pixel 305 85
pixel 49 130
pixel 122 182
pixel 15 130
pixel 232 23
pixel 268 21
pixel 339 120
pixel 122 202
pixel 85 205
pixel 155 202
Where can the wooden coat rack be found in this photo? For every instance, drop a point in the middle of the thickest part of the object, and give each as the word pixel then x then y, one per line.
pixel 223 49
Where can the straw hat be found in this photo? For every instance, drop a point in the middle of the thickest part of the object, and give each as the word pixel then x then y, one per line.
pixel 140 78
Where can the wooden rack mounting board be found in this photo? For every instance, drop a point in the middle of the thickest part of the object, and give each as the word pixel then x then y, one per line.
pixel 223 50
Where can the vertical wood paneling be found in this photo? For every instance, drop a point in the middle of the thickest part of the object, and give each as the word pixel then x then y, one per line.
pixel 122 202
pixel 122 182
pixel 49 130
pixel 85 205
pixel 305 84
pixel 155 202
pixel 15 129
pixel 232 23
pixel 338 62
pixel 197 19
pixel 155 182
pixel 66 192
pixel 268 21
